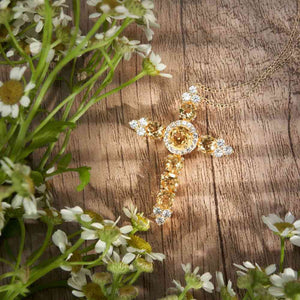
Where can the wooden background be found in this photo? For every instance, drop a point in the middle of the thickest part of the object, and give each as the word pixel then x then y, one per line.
pixel 218 209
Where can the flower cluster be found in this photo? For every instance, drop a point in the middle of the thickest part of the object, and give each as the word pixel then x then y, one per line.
pixel 119 250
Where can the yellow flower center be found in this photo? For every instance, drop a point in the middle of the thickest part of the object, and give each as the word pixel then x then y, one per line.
pixel 11 92
pixel 93 291
pixel 139 243
pixel 283 225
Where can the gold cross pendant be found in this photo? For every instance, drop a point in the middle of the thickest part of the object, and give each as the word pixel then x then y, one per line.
pixel 180 138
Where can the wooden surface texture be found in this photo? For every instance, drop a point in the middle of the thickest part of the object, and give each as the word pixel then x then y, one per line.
pixel 218 209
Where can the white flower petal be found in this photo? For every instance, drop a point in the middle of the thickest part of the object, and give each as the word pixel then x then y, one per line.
pixel 128 258
pixel 289 218
pixel 25 101
pixel 126 229
pixel 14 111
pixel 17 73
pixel 295 240
pixel 270 269
pixel 100 246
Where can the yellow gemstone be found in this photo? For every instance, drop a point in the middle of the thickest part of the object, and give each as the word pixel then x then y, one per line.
pixel 169 182
pixel 181 138
pixel 165 199
pixel 174 163
pixel 188 111
pixel 207 144
pixel 155 130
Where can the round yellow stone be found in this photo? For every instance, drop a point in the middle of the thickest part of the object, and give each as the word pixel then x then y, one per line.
pixel 169 182
pixel 207 144
pixel 188 111
pixel 181 137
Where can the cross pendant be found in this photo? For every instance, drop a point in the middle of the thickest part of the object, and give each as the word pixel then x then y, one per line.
pixel 180 138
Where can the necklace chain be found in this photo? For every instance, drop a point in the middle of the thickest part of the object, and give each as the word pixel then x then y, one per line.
pixel 211 95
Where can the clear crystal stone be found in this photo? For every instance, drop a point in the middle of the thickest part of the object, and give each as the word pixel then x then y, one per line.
pixel 156 210
pixel 186 96
pixel 141 131
pixel 160 220
pixel 196 99
pixel 218 153
pixel 143 121
pixel 220 142
pixel 227 150
pixel 166 213
pixel 193 89
pixel 133 124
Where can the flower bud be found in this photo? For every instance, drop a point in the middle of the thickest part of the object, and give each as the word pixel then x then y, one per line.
pixel 139 243
pixel 193 281
pixel 128 292
pixel 135 7
pixel 118 268
pixel 142 265
pixel 109 234
pixel 93 291
pixel 51 217
pixel 149 67
pixel 5 15
pixel 140 223
pixel 102 278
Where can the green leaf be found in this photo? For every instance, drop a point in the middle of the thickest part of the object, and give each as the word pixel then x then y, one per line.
pixel 64 162
pixel 84 177
pixel 2 129
pixel 37 178
pixel 48 134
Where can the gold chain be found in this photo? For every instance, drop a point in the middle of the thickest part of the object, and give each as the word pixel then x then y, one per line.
pixel 252 85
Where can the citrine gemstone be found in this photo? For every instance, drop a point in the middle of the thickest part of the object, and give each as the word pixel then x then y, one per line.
pixel 181 137
pixel 188 111
pixel 169 182
pixel 165 199
pixel 155 130
pixel 207 144
pixel 174 163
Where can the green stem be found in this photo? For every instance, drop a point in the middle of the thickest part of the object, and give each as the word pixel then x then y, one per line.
pixel 114 287
pixel 135 277
pixel 21 247
pixel 183 293
pixel 43 247
pixel 81 112
pixel 50 79
pixel 18 47
pixel 282 248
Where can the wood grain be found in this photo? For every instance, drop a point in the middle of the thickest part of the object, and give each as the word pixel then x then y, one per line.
pixel 217 219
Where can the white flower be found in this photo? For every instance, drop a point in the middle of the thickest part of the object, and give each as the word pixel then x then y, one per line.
pixel 60 239
pixel 71 214
pixel 221 284
pixel 118 12
pixel 247 265
pixel 279 282
pixel 192 277
pixel 4 4
pixel 12 93
pixel 287 228
pixel 78 281
pixel 153 66
pixel 118 235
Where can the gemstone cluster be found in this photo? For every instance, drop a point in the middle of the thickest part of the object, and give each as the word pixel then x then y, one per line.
pixel 168 186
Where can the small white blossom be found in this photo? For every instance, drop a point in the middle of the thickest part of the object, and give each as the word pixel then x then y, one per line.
pixel 247 265
pixel 279 282
pixel 9 102
pixel 221 284
pixel 286 228
pixel 78 281
pixel 71 214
